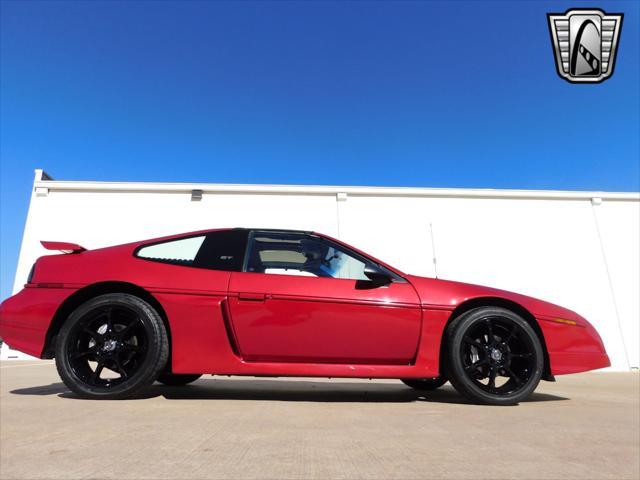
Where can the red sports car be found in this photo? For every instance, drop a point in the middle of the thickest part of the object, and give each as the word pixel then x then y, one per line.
pixel 282 303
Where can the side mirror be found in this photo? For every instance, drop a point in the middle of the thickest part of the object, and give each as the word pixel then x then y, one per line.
pixel 376 275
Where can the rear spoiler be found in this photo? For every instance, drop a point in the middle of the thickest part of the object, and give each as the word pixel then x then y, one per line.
pixel 64 247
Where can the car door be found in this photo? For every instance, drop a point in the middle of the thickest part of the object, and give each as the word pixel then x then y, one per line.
pixel 303 298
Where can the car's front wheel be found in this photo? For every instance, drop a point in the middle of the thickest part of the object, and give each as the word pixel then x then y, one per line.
pixel 111 347
pixel 493 356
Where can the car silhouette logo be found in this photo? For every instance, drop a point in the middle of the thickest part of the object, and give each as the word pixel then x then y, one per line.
pixel 585 43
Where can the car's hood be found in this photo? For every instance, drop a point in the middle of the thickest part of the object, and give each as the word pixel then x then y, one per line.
pixel 448 294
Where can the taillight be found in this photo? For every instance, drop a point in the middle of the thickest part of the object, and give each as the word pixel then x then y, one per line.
pixel 31 272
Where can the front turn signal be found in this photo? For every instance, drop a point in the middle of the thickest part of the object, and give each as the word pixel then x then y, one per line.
pixel 564 321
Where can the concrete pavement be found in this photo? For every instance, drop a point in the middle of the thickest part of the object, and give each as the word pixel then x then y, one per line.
pixel 583 426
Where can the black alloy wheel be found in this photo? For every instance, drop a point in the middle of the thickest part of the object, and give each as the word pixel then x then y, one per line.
pixel 112 346
pixel 493 356
pixel 425 383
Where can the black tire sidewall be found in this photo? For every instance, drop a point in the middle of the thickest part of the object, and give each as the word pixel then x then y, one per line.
pixel 455 368
pixel 155 359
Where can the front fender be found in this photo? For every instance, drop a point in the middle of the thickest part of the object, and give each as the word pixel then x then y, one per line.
pixel 573 344
pixel 573 348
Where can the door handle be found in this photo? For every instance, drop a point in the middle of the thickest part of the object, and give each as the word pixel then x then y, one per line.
pixel 251 297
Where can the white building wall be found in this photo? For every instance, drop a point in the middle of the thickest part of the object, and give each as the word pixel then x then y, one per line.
pixel 577 249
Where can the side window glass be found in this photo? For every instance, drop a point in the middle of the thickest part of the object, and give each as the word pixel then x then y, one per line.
pixel 277 253
pixel 303 255
pixel 339 264
pixel 181 252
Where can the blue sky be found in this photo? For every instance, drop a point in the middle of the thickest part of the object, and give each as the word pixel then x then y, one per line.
pixel 457 94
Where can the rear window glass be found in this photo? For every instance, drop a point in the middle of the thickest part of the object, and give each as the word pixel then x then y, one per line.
pixel 181 251
pixel 223 250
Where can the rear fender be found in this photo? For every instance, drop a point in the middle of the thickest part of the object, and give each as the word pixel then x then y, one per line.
pixel 84 294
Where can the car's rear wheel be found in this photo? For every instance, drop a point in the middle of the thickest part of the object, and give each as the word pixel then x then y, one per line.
pixel 425 383
pixel 177 379
pixel 113 346
pixel 493 356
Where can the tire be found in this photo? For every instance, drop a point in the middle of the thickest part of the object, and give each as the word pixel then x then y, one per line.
pixel 176 380
pixel 488 344
pixel 425 383
pixel 111 347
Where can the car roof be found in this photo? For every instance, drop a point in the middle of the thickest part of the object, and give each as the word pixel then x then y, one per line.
pixel 275 230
